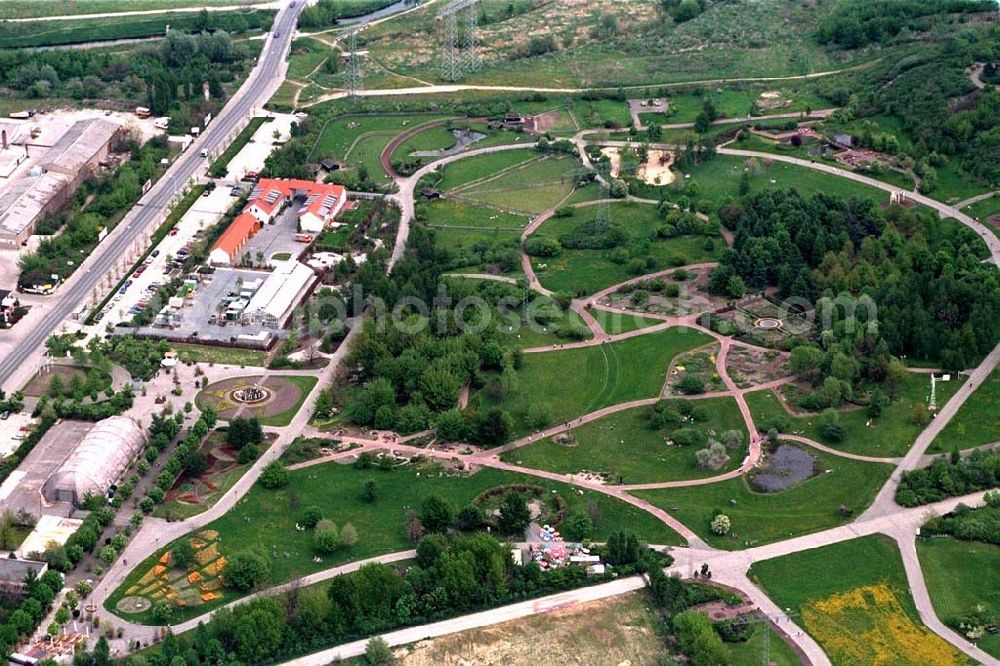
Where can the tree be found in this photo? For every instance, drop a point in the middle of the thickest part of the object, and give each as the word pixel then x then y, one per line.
pixel 830 428
pixel 311 517
pixel 920 416
pixel 378 652
pixel 720 525
pixel 348 535
pixel 494 427
pixel 275 475
pixel 247 570
pixel 452 426
pixel 806 361
pixel 326 537
pixel 702 123
pixel 713 456
pixel 514 514
pixel 183 554
pixel 437 514
pixel 369 491
pixel 699 640
pixel 470 518
pixel 577 526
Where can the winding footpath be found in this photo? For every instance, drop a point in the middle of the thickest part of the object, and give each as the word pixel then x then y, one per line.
pixel 728 567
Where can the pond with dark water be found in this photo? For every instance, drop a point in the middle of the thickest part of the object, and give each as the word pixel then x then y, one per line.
pixel 783 468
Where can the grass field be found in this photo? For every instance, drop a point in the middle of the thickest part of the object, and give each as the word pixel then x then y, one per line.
pixel 618 322
pixel 462 215
pixel 861 613
pixel 977 421
pixel 587 271
pixel 720 178
pixel 759 518
pixel 338 134
pixel 480 167
pixel 960 576
pixel 984 209
pixel 531 188
pixel 77 31
pixel 16 9
pixel 220 355
pixel 265 519
pixel 622 444
pixel 603 375
pixel 891 434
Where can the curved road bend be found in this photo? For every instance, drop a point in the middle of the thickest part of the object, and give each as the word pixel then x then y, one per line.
pixel 264 79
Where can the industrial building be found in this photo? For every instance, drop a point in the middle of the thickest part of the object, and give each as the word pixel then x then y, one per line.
pixel 12 148
pixel 79 152
pixel 272 304
pixel 52 181
pixel 96 462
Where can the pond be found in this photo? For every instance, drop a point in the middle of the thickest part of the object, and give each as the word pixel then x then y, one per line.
pixel 783 468
pixel 463 139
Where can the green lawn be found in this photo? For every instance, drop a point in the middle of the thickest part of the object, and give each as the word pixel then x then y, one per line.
pixel 720 178
pixel 868 629
pixel 339 133
pixel 623 444
pixel 12 9
pixel 462 215
pixel 265 519
pixel 481 167
pixel 977 421
pixel 603 375
pixel 532 188
pixel 955 184
pixel 93 29
pixel 984 208
pixel 961 575
pixel 891 434
pixel 580 272
pixel 749 652
pixel 619 322
pixel 221 355
pixel 759 518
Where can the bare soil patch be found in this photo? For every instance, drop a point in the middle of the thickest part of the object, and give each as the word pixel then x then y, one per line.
pixel 611 631
pixel 39 384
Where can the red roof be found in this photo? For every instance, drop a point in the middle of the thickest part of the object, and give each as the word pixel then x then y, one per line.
pixel 270 193
pixel 233 238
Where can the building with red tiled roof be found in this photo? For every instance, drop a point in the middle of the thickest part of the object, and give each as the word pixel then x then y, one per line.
pixel 226 250
pixel 320 204
pixel 322 201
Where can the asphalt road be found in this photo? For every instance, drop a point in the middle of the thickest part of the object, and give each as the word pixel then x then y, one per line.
pixel 256 90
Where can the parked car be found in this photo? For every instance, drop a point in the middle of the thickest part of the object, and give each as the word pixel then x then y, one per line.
pixel 155 253
pixel 4 416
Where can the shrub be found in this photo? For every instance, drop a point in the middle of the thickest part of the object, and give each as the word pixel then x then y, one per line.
pixel 275 475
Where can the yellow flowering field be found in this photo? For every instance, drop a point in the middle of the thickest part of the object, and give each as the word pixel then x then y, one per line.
pixel 867 625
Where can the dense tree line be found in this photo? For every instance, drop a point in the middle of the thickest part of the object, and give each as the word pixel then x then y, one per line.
pixel 853 24
pixel 451 575
pixel 950 477
pixel 934 297
pixel 968 524
pixel 18 621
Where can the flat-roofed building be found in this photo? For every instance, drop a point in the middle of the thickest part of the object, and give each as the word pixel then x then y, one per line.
pixel 27 201
pixel 82 148
pixel 272 304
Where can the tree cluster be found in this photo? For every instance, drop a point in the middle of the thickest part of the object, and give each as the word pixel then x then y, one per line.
pixel 968 524
pixel 946 478
pixel 852 25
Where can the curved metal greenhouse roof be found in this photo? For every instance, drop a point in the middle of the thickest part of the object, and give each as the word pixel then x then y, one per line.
pixel 97 461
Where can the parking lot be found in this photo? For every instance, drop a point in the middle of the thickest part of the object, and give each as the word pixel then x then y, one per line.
pixel 199 310
pixel 205 212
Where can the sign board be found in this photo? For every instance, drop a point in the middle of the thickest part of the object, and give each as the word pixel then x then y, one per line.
pixel 102 233
pixel 145 186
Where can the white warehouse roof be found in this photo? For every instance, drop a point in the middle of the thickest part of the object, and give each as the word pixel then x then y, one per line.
pixel 97 461
pixel 282 289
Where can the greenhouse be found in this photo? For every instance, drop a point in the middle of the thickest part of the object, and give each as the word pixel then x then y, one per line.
pixel 97 461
